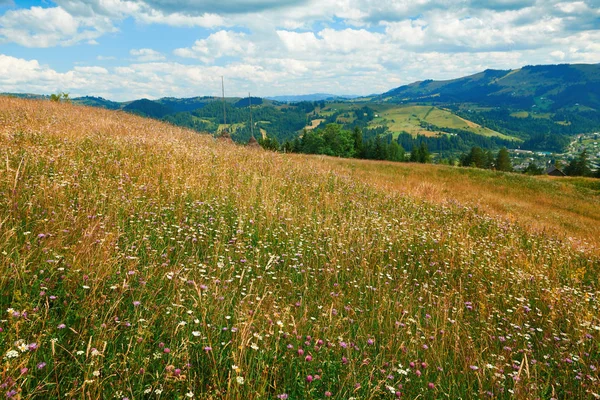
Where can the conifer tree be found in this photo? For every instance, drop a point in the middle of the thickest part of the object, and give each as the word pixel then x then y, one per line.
pixel 358 142
pixel 579 166
pixel 503 162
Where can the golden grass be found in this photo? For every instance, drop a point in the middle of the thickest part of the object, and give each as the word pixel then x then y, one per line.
pixel 142 260
pixel 538 203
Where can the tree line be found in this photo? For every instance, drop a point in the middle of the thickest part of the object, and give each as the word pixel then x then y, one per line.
pixel 335 141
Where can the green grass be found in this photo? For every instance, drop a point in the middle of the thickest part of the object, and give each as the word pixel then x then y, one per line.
pixel 526 114
pixel 410 118
pixel 143 261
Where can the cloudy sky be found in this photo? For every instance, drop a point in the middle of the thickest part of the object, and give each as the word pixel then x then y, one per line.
pixel 127 49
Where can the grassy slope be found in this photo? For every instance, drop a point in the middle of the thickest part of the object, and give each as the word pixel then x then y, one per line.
pixel 140 258
pixel 406 118
pixel 568 208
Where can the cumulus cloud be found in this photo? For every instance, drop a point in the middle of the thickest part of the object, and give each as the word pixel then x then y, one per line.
pixel 298 46
pixel 217 45
pixel 144 55
pixel 198 7
pixel 47 27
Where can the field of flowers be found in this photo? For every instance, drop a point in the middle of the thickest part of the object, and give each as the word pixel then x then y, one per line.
pixel 139 260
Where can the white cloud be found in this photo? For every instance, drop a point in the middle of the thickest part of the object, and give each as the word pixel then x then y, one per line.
pixel 144 55
pixel 91 70
pixel 217 45
pixel 298 46
pixel 47 27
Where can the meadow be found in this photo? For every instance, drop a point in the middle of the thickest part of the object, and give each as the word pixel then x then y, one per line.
pixel 413 119
pixel 140 260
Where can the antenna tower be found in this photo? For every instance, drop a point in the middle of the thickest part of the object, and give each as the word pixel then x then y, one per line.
pixel 250 105
pixel 223 92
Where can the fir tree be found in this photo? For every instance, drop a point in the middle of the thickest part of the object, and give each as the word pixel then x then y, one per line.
pixel 579 166
pixel 503 162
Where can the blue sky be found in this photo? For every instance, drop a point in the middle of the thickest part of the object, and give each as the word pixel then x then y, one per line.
pixel 127 49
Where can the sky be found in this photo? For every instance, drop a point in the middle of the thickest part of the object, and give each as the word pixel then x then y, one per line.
pixel 129 49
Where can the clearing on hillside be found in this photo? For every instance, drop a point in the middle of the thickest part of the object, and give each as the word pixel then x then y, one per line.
pixel 140 260
pixel 416 120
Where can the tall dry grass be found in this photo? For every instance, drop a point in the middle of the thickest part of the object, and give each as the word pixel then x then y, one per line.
pixel 139 260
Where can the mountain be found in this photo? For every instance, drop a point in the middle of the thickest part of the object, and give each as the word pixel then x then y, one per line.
pixel 310 97
pixel 93 101
pixel 31 96
pixel 186 104
pixel 148 108
pixel 249 101
pixel 547 87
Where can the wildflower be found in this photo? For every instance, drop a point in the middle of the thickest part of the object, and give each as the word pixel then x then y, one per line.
pixel 167 350
pixel 24 371
pixel 327 394
pixel 41 365
pixel 61 326
pixel 32 346
pixel 309 378
pixel 308 358
pixel 188 394
pixel 240 380
pixel 474 367
pixel 207 349
pixel 136 303
pixel 23 347
pixel 370 342
pixel 282 396
pixel 254 346
pixel 431 385
pixel 196 333
pixel 96 373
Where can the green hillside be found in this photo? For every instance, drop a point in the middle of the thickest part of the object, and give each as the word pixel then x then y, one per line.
pixel 551 87
pixel 425 120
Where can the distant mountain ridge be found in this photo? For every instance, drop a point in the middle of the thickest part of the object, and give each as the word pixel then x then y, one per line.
pixel 310 97
pixel 550 87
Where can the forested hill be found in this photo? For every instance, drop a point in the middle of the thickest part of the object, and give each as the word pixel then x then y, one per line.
pixel 549 87
pixel 540 108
